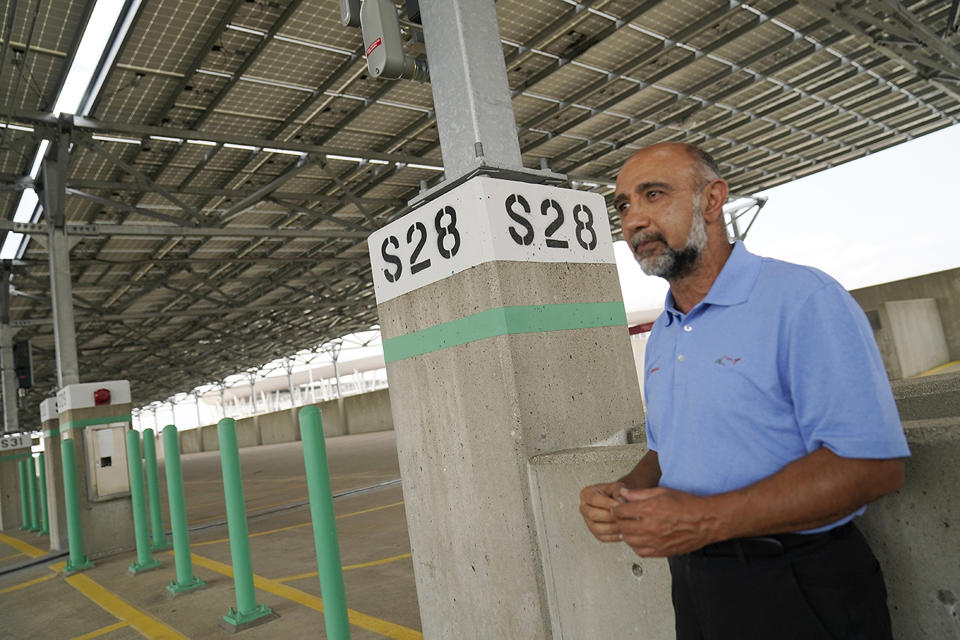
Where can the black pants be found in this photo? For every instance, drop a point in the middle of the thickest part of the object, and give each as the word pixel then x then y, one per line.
pixel 831 588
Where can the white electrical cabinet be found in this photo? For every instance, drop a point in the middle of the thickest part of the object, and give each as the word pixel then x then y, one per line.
pixel 106 447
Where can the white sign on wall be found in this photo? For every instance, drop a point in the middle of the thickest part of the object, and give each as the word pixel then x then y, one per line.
pixel 15 442
pixel 483 220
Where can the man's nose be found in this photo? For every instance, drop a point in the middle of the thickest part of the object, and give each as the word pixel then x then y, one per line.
pixel 633 220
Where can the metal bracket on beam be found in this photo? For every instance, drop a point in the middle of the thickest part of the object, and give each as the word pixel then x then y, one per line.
pixel 536 176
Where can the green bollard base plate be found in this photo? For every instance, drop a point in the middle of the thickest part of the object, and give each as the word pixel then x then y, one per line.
pixel 234 621
pixel 83 565
pixel 162 546
pixel 35 529
pixel 136 567
pixel 44 532
pixel 175 588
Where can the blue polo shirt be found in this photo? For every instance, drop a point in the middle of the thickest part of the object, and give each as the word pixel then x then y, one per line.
pixel 777 361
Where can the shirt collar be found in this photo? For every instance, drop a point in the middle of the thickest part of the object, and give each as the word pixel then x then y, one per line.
pixel 732 286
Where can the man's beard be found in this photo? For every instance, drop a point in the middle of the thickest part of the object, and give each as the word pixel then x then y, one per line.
pixel 670 263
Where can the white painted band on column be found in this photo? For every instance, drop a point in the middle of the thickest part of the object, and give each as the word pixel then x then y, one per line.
pixel 486 220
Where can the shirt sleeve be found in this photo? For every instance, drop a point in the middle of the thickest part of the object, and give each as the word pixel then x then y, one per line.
pixel 649 427
pixel 837 381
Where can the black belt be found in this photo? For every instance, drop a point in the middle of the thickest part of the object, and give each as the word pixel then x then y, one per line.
pixel 768 546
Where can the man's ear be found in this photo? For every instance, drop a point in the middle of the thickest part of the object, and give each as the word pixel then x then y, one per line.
pixel 714 197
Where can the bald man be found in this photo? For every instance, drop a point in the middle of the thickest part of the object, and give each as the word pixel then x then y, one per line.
pixel 770 426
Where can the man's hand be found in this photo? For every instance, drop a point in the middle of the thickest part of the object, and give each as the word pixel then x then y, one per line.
pixel 596 504
pixel 662 522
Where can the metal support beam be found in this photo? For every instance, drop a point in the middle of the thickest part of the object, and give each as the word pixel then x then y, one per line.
pixel 835 13
pixel 469 81
pixel 168 231
pixel 8 376
pixel 921 32
pixel 265 190
pixel 58 248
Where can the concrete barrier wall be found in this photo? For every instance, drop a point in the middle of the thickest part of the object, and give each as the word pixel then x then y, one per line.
pixel 916 535
pixel 248 432
pixel 190 441
pixel 918 335
pixel 594 589
pixel 208 436
pixel 601 590
pixel 279 426
pixel 366 413
pixel 943 286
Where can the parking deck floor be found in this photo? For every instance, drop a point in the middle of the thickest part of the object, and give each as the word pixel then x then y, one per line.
pixel 107 602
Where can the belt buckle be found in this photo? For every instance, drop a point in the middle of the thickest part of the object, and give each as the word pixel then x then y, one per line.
pixel 761 546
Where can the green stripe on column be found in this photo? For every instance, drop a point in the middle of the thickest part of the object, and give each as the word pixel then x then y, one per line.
pixel 87 422
pixel 505 321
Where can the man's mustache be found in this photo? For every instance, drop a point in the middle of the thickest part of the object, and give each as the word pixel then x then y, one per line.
pixel 640 238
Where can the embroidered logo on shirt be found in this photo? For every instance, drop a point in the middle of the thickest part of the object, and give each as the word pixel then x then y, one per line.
pixel 653 371
pixel 725 360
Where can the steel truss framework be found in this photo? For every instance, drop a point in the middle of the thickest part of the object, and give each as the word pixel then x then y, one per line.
pixel 237 156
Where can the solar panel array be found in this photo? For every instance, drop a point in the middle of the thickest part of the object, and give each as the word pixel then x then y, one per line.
pixel 774 89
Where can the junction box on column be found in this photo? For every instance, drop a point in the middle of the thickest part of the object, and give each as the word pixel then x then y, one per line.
pixel 96 415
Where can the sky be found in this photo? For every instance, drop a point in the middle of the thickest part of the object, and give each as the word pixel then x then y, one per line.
pixel 888 216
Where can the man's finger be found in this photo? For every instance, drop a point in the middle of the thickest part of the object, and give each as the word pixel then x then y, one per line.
pixel 596 514
pixel 638 495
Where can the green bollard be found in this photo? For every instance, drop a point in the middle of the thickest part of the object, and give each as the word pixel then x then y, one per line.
pixel 34 495
pixel 324 525
pixel 78 560
pixel 247 611
pixel 178 515
pixel 44 512
pixel 144 561
pixel 158 542
pixel 24 496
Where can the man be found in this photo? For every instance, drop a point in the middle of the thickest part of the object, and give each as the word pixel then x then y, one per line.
pixel 770 424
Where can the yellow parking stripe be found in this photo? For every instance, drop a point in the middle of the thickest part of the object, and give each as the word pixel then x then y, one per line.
pixel 103 631
pixel 12 555
pixel 362 620
pixel 930 372
pixel 295 526
pixel 22 546
pixel 28 583
pixel 348 567
pixel 126 612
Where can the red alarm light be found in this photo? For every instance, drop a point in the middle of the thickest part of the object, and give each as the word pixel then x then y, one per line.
pixel 101 396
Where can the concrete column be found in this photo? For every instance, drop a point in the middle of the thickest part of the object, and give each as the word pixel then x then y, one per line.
pixel 293 405
pixel 15 451
pixel 105 506
pixel 334 349
pixel 505 338
pixel 53 468
pixel 8 376
pixel 196 398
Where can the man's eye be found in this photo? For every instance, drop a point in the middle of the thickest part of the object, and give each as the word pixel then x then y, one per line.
pixel 653 194
pixel 622 206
